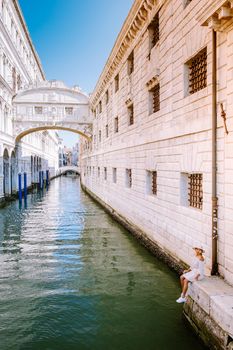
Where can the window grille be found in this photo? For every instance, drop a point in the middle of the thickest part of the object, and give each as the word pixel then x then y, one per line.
pixel 116 124
pixel 195 192
pixel 155 98
pixel 106 128
pixel 38 110
pixel 154 31
pixel 131 114
pixel 116 82
pixel 69 110
pixel 198 72
pixel 154 182
pixel 129 177
pixel 105 173
pixel 130 63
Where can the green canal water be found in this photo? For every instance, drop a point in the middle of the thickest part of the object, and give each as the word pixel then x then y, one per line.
pixel 72 278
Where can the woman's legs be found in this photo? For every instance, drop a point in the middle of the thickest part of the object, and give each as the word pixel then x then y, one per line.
pixel 182 278
pixel 185 287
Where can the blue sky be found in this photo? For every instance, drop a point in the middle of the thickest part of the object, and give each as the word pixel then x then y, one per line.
pixel 74 38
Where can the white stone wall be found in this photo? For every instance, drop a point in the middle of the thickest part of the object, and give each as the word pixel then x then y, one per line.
pixel 172 141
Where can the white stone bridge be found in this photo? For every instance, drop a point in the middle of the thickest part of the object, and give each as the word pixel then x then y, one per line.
pixel 68 169
pixel 51 105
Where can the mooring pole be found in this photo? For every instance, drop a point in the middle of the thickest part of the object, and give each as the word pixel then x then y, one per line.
pixel 25 184
pixel 47 178
pixel 20 186
pixel 42 179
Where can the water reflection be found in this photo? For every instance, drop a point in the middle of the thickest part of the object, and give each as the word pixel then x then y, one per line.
pixel 72 278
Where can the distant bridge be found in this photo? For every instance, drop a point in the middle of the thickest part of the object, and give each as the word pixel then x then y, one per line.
pixel 68 169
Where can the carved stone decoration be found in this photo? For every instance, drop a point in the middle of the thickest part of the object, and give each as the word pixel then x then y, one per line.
pixel 152 82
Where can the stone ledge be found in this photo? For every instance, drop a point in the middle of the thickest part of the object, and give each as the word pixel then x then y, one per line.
pixel 210 310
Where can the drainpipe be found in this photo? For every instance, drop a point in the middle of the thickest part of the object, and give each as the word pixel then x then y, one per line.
pixel 214 267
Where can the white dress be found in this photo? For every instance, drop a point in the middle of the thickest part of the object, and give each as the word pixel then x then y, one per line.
pixel 197 268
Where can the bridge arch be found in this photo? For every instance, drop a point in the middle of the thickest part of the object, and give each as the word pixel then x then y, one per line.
pixel 50 127
pixel 67 169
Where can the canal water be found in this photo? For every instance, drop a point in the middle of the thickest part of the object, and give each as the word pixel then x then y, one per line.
pixel 72 278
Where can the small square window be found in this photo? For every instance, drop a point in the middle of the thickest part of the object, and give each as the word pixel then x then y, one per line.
pixel 69 110
pixel 38 110
pixel 128 178
pixel 114 175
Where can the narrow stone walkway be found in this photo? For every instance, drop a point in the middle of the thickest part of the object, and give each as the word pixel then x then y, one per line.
pixel 210 306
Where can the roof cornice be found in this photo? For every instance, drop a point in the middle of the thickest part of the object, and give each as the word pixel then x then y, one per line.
pixel 134 22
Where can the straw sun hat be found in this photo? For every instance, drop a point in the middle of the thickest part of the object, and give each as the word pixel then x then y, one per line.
pixel 199 246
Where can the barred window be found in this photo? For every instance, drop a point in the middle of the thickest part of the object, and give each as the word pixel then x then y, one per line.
pixel 38 110
pixel 154 182
pixel 154 99
pixel 116 82
pixel 195 192
pixel 154 31
pixel 114 175
pixel 116 124
pixel 198 72
pixel 69 110
pixel 130 63
pixel 105 173
pixel 99 135
pixel 130 115
pixel 106 129
pixel 151 182
pixel 129 178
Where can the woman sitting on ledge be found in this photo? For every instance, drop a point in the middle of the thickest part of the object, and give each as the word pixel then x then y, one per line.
pixel 194 273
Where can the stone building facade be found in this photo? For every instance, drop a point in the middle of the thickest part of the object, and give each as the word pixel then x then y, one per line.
pixel 150 158
pixel 20 68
